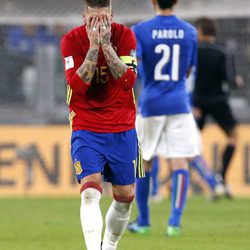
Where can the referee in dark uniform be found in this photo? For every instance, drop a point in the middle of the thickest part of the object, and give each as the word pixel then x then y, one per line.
pixel 215 67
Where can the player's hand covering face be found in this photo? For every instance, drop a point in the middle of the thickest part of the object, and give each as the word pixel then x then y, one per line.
pixel 93 30
pixel 98 24
pixel 105 30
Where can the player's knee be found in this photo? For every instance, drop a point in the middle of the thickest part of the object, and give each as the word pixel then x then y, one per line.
pixel 124 198
pixel 123 204
pixel 91 191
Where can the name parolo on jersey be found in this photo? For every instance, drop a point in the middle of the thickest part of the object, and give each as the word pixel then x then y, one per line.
pixel 168 34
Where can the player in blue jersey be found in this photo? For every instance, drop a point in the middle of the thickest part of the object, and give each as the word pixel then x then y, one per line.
pixel 166 49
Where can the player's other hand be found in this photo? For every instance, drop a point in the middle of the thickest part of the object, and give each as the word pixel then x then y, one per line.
pixel 105 30
pixel 93 31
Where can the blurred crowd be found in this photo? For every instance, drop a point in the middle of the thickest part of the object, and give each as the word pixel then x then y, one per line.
pixel 21 81
pixel 18 58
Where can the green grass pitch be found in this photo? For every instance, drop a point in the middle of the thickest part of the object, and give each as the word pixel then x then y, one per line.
pixel 53 224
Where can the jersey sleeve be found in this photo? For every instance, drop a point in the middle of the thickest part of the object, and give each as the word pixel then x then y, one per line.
pixel 72 61
pixel 190 81
pixel 127 54
pixel 138 43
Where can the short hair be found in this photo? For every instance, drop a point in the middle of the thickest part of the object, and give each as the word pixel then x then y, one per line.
pixel 97 3
pixel 207 26
pixel 166 4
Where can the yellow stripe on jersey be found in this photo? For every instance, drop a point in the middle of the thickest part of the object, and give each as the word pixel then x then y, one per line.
pixel 71 117
pixel 133 94
pixel 69 95
pixel 130 61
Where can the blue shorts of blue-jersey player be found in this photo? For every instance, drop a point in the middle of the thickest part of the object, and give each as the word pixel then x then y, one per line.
pixel 116 156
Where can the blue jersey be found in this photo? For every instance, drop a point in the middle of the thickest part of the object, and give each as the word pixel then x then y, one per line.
pixel 167 49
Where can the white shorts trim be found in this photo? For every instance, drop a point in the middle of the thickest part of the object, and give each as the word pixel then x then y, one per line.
pixel 173 136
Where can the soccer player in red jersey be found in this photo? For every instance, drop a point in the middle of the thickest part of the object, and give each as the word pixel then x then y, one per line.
pixel 100 68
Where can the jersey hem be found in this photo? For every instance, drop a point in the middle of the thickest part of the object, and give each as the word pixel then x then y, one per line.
pixel 101 130
pixel 166 114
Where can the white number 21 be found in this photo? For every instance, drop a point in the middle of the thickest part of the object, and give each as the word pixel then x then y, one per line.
pixel 165 50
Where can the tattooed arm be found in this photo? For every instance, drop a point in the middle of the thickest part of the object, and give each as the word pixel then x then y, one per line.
pixel 87 70
pixel 116 66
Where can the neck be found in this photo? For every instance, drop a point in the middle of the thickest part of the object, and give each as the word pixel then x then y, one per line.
pixel 166 12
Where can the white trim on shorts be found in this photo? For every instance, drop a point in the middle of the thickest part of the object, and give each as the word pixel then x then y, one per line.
pixel 173 136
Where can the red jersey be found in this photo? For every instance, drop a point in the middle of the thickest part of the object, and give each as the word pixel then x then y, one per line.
pixel 107 104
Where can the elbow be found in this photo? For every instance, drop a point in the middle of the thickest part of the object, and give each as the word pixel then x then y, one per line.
pixel 77 85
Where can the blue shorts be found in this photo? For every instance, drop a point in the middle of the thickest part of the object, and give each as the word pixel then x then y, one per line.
pixel 116 155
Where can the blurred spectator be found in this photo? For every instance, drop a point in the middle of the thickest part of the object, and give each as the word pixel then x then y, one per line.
pixel 54 34
pixel 21 41
pixel 21 52
pixel 11 68
pixel 24 39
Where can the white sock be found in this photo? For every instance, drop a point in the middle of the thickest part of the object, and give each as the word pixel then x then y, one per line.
pixel 117 219
pixel 91 218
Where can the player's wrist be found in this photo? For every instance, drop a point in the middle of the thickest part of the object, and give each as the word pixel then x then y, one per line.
pixel 106 45
pixel 94 46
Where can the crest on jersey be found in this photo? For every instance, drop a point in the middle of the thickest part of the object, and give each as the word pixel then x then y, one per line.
pixel 69 62
pixel 78 167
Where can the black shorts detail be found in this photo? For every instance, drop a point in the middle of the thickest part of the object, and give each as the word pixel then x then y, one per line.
pixel 221 112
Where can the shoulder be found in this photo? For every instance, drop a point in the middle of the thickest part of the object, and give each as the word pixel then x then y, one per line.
pixel 188 27
pixel 217 47
pixel 120 31
pixel 222 48
pixel 142 25
pixel 185 23
pixel 141 29
pixel 74 36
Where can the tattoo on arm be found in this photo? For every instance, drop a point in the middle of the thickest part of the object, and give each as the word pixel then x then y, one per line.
pixel 87 70
pixel 116 66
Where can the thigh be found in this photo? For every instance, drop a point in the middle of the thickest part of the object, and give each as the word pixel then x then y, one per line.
pixel 87 155
pixel 223 115
pixel 124 161
pixel 149 131
pixel 181 137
